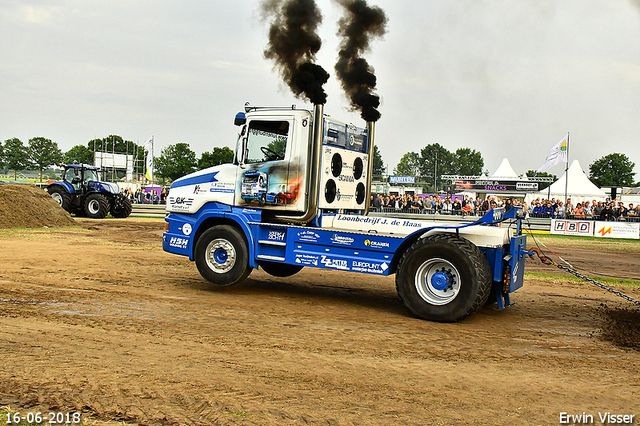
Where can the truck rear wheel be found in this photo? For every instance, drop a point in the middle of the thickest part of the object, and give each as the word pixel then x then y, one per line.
pixel 96 206
pixel 61 196
pixel 443 278
pixel 222 255
pixel 280 269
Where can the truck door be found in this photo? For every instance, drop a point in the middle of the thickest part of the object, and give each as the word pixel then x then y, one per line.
pixel 266 180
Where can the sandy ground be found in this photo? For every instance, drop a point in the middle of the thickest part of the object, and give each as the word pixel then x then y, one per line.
pixel 98 319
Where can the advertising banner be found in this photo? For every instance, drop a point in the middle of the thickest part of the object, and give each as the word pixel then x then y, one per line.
pixel 582 228
pixel 617 230
pixel 402 179
pixel 497 185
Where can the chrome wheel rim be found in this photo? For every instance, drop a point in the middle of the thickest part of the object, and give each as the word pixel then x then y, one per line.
pixel 93 206
pixel 220 256
pixel 56 196
pixel 437 281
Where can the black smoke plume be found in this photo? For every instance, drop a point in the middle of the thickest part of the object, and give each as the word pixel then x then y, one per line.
pixel 293 44
pixel 361 23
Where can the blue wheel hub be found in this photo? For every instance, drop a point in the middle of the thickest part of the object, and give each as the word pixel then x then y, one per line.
pixel 220 255
pixel 440 281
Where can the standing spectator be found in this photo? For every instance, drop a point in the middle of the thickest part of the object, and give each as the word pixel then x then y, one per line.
pixel 597 210
pixel 456 206
pixel 447 208
pixel 377 202
pixel 622 212
pixel 607 212
pixel 486 205
pixel 163 196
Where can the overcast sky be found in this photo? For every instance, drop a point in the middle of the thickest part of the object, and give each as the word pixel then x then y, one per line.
pixel 506 78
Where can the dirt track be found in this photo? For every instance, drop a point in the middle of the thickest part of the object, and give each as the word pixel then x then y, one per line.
pixel 98 318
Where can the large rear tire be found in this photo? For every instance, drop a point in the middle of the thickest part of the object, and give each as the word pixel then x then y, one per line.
pixel 96 206
pixel 280 269
pixel 121 207
pixel 61 196
pixel 443 278
pixel 222 255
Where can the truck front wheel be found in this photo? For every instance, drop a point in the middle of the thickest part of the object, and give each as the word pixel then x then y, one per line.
pixel 222 255
pixel 443 278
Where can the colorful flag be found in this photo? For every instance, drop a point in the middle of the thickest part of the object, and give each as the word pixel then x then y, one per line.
pixel 148 146
pixel 558 154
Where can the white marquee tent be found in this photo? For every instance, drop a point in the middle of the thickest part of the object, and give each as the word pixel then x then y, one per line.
pixel 505 171
pixel 579 188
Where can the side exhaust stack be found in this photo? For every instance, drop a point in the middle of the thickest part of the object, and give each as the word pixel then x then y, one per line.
pixel 371 130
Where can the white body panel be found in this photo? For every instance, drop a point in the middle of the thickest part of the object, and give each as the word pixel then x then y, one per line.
pixel 480 235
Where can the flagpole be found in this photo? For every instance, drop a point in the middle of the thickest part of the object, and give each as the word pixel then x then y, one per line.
pixel 566 178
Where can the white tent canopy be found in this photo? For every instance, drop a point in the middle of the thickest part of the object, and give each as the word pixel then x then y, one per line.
pixel 505 171
pixel 579 188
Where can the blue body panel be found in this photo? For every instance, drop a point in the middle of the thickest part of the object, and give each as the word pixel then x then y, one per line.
pixel 325 248
pixel 67 185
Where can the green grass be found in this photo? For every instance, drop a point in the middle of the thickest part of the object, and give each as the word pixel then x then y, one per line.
pixel 566 277
pixel 242 414
pixel 604 244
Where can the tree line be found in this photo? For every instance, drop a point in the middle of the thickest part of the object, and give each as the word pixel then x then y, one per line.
pixel 434 160
pixel 40 153
pixel 177 160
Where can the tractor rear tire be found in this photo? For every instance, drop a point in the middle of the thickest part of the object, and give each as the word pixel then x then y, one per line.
pixel 281 270
pixel 443 278
pixel 222 255
pixel 61 196
pixel 121 207
pixel 96 206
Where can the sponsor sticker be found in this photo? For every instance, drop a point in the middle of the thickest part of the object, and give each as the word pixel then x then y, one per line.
pixel 178 242
pixel 335 263
pixel 186 229
pixel 342 240
pixel 276 236
pixel 369 267
pixel 308 236
pixel 376 244
pixel 307 259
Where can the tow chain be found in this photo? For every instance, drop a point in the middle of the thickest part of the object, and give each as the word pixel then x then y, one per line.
pixel 548 261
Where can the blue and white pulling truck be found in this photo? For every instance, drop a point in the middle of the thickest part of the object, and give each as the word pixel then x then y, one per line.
pixel 322 168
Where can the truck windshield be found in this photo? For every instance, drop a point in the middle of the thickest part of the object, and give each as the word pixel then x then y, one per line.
pixel 266 141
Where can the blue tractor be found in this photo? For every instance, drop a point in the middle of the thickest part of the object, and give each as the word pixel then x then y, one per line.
pixel 82 193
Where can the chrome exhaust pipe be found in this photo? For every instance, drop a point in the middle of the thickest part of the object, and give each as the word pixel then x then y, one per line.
pixel 313 170
pixel 371 130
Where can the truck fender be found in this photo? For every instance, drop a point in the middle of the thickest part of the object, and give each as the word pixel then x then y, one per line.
pixel 404 246
pixel 212 217
pixel 412 238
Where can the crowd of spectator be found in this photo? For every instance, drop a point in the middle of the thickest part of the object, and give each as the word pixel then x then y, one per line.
pixel 469 206
pixel 434 204
pixel 608 210
pixel 140 196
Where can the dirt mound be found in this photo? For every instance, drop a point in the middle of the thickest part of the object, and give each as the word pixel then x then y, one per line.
pixel 27 206
pixel 621 326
